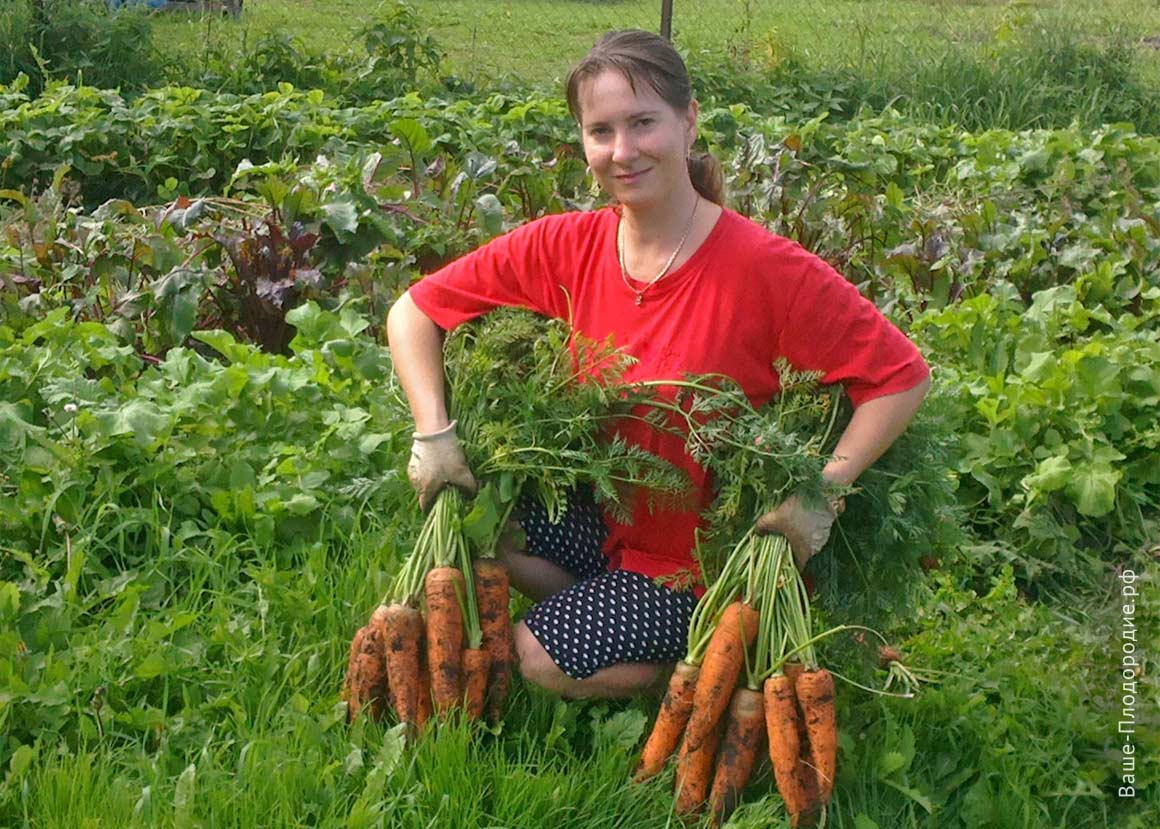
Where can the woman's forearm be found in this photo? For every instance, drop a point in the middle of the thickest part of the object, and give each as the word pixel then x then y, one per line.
pixel 417 353
pixel 874 426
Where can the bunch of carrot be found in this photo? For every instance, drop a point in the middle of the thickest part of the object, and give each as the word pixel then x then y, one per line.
pixel 751 625
pixel 441 638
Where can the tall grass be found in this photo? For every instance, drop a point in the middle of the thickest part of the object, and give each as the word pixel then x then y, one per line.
pixel 1050 73
pixel 77 39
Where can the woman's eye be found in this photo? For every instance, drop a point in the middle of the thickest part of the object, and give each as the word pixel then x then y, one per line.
pixel 644 122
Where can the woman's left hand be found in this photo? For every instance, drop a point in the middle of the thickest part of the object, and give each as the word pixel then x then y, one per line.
pixel 805 527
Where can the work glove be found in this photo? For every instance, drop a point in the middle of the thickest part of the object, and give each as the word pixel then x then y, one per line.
pixel 437 460
pixel 805 526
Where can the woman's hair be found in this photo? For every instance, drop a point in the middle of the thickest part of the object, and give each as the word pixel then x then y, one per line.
pixel 645 57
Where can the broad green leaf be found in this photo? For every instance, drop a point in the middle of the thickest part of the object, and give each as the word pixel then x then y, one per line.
pixel 914 794
pixel 1094 489
pixel 143 808
pixel 352 321
pixel 301 503
pixel 141 418
pixel 242 476
pixel 490 213
pixel 341 216
pixel 21 761
pixel 622 731
pixel 1041 365
pixel 152 665
pixel 482 522
pixel 353 763
pixel 222 342
pixel 890 762
pixel 413 134
pixel 1050 474
pixel 1098 376
pixel 370 442
pixel 386 760
pixel 9 603
pixel 477 165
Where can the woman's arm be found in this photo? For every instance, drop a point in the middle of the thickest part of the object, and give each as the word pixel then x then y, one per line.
pixel 874 426
pixel 417 353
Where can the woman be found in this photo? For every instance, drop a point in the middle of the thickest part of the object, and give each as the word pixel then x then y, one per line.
pixel 684 285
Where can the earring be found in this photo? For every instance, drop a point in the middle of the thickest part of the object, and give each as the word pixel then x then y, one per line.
pixel 588 170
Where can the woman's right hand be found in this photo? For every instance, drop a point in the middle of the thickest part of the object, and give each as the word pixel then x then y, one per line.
pixel 437 459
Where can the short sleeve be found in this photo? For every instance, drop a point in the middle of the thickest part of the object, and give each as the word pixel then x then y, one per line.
pixel 830 327
pixel 522 268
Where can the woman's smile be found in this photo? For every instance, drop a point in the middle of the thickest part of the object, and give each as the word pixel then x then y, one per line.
pixel 631 178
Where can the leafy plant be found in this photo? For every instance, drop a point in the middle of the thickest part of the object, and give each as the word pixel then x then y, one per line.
pixel 77 41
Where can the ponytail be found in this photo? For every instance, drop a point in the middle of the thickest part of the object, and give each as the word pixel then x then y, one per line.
pixel 708 177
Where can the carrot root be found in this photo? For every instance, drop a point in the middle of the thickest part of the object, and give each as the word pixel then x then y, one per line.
pixel 795 782
pixel 815 693
pixel 404 637
pixel 476 662
pixel 724 658
pixel 670 722
pixel 443 587
pixel 493 597
pixel 743 739
pixel 367 686
pixel 695 773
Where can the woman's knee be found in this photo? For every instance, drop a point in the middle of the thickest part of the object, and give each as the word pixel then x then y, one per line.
pixel 536 665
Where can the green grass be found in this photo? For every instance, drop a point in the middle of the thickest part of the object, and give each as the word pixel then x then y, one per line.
pixel 978 65
pixel 538 39
pixel 202 690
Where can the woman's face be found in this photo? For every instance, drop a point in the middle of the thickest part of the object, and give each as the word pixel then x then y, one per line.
pixel 635 142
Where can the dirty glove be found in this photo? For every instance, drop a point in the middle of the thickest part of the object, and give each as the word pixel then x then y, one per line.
pixel 437 460
pixel 805 526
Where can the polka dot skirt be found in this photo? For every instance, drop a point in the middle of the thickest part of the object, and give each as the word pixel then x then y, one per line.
pixel 574 542
pixel 607 617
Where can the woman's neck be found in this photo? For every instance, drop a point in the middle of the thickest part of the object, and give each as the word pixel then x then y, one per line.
pixel 659 224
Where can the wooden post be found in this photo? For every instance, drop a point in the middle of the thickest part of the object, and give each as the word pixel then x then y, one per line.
pixel 667 19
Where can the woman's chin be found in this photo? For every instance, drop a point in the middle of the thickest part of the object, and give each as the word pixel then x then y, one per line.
pixel 636 199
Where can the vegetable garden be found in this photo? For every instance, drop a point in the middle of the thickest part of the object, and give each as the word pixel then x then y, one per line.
pixel 202 445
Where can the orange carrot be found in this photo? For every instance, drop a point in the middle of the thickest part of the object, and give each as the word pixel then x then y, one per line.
pixel 404 635
pixel 737 752
pixel 476 662
pixel 724 658
pixel 795 781
pixel 443 587
pixel 349 683
pixel 368 678
pixel 424 712
pixel 671 719
pixel 695 771
pixel 792 671
pixel 815 693
pixel 493 595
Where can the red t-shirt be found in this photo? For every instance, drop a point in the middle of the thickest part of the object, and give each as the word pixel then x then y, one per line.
pixel 745 298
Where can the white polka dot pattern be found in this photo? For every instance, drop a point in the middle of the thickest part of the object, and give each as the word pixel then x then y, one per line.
pixel 606 618
pixel 574 542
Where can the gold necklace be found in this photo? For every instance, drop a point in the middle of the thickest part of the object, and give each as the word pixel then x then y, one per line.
pixel 664 271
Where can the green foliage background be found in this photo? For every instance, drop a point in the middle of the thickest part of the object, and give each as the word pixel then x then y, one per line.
pixel 201 442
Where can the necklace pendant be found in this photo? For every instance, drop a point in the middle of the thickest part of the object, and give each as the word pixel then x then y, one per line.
pixel 639 299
